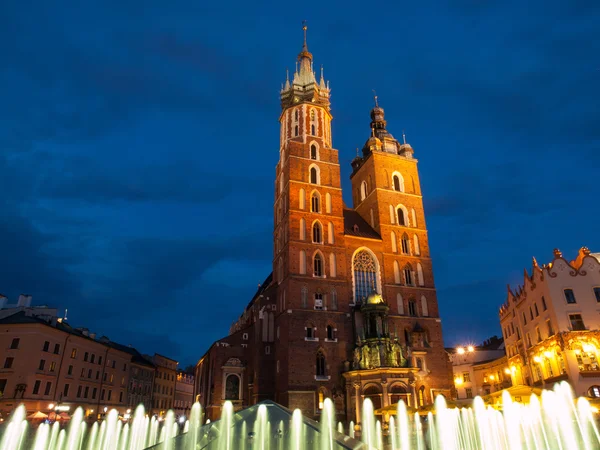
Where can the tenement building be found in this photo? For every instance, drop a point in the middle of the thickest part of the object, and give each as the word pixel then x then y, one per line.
pixel 551 324
pixel 479 369
pixel 350 310
pixel 49 366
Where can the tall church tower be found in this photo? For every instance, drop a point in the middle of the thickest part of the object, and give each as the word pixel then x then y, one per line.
pixel 386 192
pixel 309 251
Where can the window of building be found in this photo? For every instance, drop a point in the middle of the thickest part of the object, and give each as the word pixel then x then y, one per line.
pixel 408 275
pixel 576 322
pixel 314 175
pixel 537 312
pixel 394 243
pixel 538 334
pixel 544 307
pixel 302 199
pixel 52 366
pixel 318 301
pixel 597 294
pixel 365 270
pixel 330 333
pixel 36 387
pixel 94 393
pixel 79 391
pixel 57 349
pixel 528 339
pixel 315 202
pixel 70 370
pixel 48 387
pixel 469 392
pixel 82 372
pixel 46 346
pixel 302 256
pixel 318 265
pixel 296 129
pixel 313 151
pixel 86 355
pixel 74 353
pixel 267 351
pixel 594 391
pixel 397 279
pixel 398 183
pixel 100 360
pixel 317 233
pixel 405 244
pixel 42 364
pixel 550 329
pixel 320 364
pixel 8 362
pixel 414 217
pixel 15 343
pixel 310 332
pixel 466 377
pixel 401 217
pixel 524 318
pixel 530 313
pixel 109 394
pixel 66 390
pixel 363 190
pixel 420 276
pixel 412 307
pixel 570 296
pixel 332 265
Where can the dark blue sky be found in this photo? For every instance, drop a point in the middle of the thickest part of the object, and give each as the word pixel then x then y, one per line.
pixel 138 143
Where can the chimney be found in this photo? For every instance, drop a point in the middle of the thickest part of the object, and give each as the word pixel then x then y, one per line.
pixel 24 300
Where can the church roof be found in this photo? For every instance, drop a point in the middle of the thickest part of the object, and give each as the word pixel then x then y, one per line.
pixel 355 225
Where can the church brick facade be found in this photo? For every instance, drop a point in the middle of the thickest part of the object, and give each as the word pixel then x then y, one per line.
pixel 350 309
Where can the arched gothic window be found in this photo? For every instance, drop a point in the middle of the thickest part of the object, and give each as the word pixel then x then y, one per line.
pixel 365 271
pixel 330 233
pixel 398 182
pixel 302 262
pixel 412 307
pixel 328 203
pixel 296 130
pixel 420 275
pixel 408 275
pixel 302 199
pixel 414 217
pixel 318 265
pixel 402 219
pixel 400 303
pixel 317 233
pixel 232 387
pixel 332 265
pixel 302 229
pixel 363 190
pixel 315 202
pixel 313 151
pixel 320 372
pixel 314 175
pixel 394 243
pixel 416 245
pixel 334 302
pixel 313 130
pixel 397 273
pixel 424 307
pixel 405 244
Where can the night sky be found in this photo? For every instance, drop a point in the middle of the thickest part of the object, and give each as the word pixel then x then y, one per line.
pixel 138 144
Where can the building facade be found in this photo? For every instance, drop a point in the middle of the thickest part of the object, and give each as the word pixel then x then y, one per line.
pixel 350 309
pixel 551 324
pixel 50 366
pixel 184 394
pixel 163 393
pixel 479 369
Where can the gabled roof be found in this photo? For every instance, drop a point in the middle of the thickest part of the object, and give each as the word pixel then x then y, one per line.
pixel 355 225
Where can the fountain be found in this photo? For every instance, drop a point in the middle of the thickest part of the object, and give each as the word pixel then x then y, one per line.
pixel 555 421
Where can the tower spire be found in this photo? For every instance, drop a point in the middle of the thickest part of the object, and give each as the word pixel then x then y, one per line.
pixel 304 28
pixel 375 98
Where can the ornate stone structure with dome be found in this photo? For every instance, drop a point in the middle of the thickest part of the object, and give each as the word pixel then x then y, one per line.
pixel 350 309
